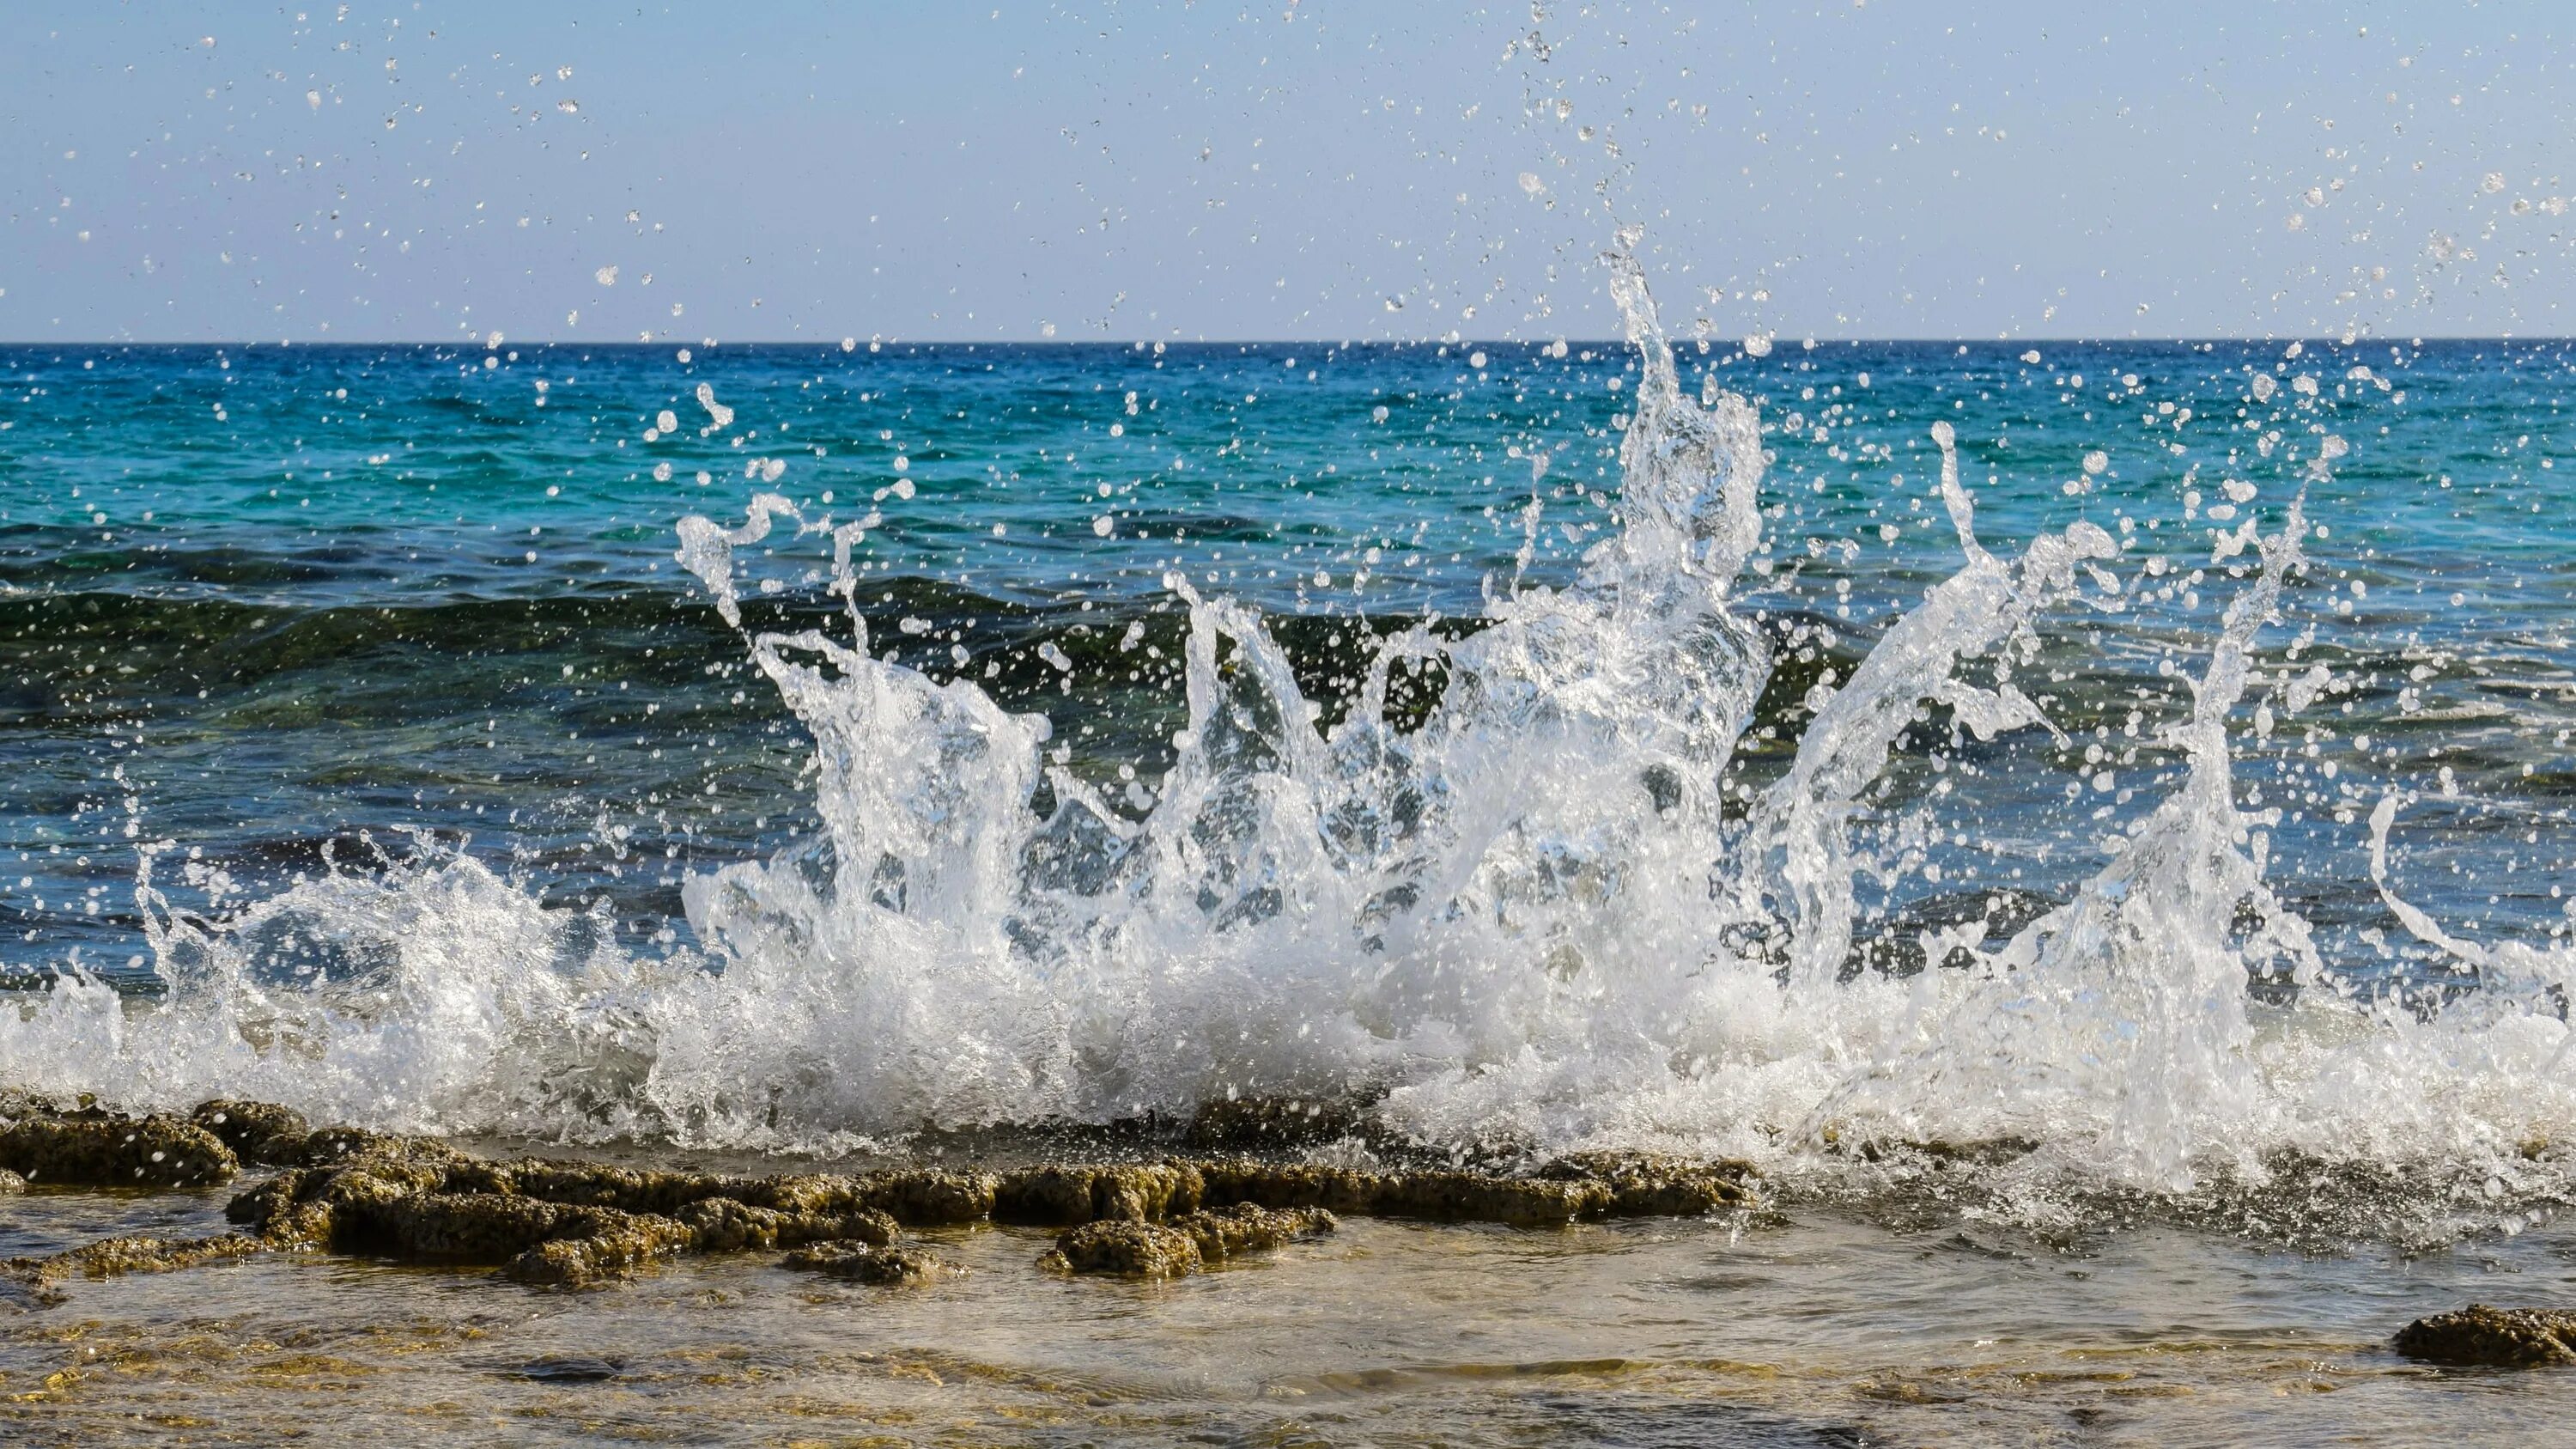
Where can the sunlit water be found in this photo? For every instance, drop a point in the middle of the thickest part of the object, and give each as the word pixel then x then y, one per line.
pixel 1827 1328
pixel 1627 744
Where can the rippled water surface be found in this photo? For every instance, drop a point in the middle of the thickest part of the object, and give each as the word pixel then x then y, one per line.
pixel 1816 1327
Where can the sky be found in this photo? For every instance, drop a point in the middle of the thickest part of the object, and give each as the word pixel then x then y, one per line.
pixel 1290 169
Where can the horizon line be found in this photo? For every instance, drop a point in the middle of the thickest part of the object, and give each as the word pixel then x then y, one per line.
pixel 1736 347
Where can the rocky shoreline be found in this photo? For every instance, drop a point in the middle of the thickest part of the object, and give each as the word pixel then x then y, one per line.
pixel 567 1224
pixel 553 1223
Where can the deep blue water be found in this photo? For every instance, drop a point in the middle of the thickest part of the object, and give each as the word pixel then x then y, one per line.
pixel 254 600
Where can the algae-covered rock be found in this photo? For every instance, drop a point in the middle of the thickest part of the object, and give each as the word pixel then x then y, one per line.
pixel 924 1199
pixel 111 1256
pixel 1228 1232
pixel 256 1131
pixel 1475 1197
pixel 1653 1185
pixel 876 1263
pixel 2493 1337
pixel 470 1227
pixel 1182 1246
pixel 1343 1190
pixel 1125 1247
pixel 611 1244
pixel 1051 1196
pixel 1274 1122
pixel 722 1225
pixel 114 1152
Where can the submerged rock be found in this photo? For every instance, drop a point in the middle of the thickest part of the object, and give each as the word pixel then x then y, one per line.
pixel 107 1151
pixel 2496 1337
pixel 1182 1246
pixel 111 1256
pixel 879 1263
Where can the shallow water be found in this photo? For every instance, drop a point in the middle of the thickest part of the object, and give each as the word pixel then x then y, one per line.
pixel 1810 1325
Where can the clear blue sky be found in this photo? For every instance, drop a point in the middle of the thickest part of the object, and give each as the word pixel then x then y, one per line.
pixel 1322 169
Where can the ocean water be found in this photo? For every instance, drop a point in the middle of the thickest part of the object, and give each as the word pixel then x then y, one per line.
pixel 1183 719
pixel 2089 821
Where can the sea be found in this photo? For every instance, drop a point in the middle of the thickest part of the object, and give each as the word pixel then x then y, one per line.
pixel 2088 820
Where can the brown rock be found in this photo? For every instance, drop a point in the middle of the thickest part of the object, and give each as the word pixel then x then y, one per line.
pixel 111 1151
pixel 613 1244
pixel 873 1263
pixel 1050 1196
pixel 256 1131
pixel 1273 1185
pixel 924 1199
pixel 722 1225
pixel 1274 1122
pixel 1652 1185
pixel 2496 1337
pixel 1223 1233
pixel 1125 1247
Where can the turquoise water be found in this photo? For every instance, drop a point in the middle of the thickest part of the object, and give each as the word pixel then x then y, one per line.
pixel 1952 784
pixel 259 598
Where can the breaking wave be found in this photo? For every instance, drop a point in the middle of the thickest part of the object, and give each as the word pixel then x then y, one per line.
pixel 1539 913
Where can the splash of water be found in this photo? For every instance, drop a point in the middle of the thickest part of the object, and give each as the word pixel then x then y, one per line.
pixel 1527 916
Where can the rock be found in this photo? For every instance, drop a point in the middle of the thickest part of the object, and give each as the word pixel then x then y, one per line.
pixel 256 1131
pixel 1122 1246
pixel 1051 1196
pixel 115 1152
pixel 1183 1246
pixel 1653 1185
pixel 1475 1197
pixel 18 1102
pixel 873 1263
pixel 1273 1122
pixel 466 1227
pixel 1273 1185
pixel 722 1225
pixel 11 1182
pixel 613 1244
pixel 1228 1232
pixel 2497 1337
pixel 111 1256
pixel 925 1199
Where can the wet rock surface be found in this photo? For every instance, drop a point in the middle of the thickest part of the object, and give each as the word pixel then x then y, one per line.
pixel 1184 1245
pixel 1056 1196
pixel 2480 1336
pixel 105 1151
pixel 876 1263
pixel 566 1223
pixel 1124 1248
pixel 258 1132
pixel 1253 1123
